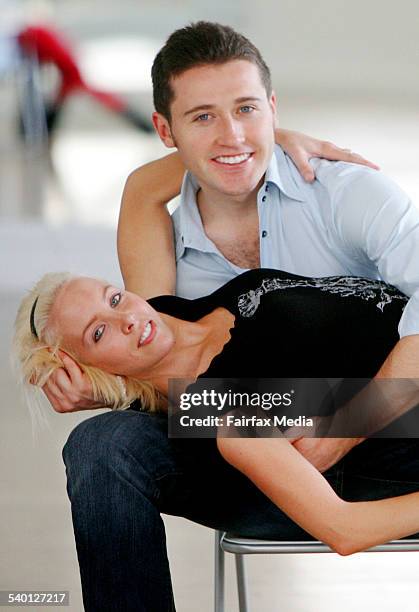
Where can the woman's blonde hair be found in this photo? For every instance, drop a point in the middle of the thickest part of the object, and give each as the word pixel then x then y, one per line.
pixel 36 351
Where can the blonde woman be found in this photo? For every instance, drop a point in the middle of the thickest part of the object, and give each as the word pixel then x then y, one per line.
pixel 129 348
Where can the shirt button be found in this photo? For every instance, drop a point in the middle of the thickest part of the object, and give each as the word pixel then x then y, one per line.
pixel 267 188
pixel 183 240
pixel 264 198
pixel 264 234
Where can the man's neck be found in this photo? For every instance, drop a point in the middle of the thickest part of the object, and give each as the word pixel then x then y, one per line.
pixel 225 208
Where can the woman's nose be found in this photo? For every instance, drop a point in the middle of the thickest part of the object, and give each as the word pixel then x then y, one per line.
pixel 128 323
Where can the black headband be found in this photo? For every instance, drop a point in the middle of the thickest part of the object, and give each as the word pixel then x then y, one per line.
pixel 32 319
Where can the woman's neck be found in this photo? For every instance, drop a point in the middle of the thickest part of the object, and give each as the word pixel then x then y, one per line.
pixel 196 344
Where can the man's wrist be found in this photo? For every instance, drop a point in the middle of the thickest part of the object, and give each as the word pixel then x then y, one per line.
pixel 352 442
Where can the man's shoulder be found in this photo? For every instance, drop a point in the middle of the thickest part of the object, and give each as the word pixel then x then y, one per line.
pixel 343 180
pixel 327 171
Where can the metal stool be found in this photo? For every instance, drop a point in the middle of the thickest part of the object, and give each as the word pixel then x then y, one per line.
pixel 244 546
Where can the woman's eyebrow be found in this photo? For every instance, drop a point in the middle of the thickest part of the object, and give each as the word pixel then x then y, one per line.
pixel 104 292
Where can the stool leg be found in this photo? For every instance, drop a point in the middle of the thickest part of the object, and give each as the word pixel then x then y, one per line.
pixel 241 584
pixel 218 574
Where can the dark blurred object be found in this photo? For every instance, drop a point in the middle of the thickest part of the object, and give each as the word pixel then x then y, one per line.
pixel 48 47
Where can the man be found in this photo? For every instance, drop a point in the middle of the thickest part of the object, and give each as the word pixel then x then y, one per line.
pixel 245 206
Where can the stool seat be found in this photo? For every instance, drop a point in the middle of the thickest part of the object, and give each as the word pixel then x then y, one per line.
pixel 228 542
pixel 249 546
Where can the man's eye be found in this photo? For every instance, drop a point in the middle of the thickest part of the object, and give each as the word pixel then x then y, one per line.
pixel 203 117
pixel 115 299
pixel 247 109
pixel 98 333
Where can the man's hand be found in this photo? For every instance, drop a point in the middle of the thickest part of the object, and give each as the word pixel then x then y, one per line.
pixel 324 452
pixel 301 148
pixel 320 451
pixel 68 389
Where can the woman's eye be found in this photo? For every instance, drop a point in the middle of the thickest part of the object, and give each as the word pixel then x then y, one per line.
pixel 115 299
pixel 98 333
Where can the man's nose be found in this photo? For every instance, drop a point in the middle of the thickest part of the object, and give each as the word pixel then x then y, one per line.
pixel 230 132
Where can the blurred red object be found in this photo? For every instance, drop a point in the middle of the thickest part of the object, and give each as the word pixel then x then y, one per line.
pixel 50 48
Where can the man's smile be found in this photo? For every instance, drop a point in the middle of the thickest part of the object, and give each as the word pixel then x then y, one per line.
pixel 233 160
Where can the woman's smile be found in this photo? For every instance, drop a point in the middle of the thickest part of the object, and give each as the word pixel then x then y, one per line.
pixel 148 334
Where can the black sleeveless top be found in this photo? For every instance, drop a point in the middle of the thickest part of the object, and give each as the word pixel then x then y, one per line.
pixel 294 326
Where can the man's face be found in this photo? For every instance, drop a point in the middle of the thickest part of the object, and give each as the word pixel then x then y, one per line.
pixel 222 123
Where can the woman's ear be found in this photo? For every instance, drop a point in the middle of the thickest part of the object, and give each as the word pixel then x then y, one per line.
pixel 162 127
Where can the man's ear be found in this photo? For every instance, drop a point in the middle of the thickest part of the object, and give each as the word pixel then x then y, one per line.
pixel 162 127
pixel 273 105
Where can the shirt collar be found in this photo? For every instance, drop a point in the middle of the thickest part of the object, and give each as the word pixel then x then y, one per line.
pixel 191 228
pixel 282 173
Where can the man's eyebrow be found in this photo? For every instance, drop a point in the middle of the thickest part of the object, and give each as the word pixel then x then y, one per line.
pixel 105 289
pixel 211 106
pixel 247 99
pixel 197 108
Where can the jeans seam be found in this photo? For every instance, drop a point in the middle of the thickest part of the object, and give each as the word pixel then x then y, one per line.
pixel 339 480
pixel 112 441
pixel 173 473
pixel 158 478
pixel 152 477
pixel 387 480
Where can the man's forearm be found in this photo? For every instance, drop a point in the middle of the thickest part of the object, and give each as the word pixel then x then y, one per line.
pixel 145 233
pixel 390 394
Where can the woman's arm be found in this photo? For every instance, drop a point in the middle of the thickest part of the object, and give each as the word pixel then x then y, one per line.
pixel 145 234
pixel 301 148
pixel 298 489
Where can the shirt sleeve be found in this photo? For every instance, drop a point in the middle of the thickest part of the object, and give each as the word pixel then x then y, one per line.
pixel 378 222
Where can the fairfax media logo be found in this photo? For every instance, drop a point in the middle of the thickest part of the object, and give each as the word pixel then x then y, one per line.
pixel 275 421
pixel 231 420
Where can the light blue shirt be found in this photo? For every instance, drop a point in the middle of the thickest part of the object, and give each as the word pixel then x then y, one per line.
pixel 350 221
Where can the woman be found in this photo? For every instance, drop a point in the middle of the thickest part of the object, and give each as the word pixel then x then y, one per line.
pixel 122 341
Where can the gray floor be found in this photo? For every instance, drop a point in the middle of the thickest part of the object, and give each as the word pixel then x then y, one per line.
pixel 67 220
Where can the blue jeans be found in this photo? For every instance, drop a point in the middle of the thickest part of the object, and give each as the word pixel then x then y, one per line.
pixel 123 472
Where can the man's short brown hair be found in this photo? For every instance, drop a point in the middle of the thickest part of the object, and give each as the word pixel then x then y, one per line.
pixel 199 44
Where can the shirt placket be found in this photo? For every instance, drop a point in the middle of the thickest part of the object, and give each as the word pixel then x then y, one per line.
pixel 264 233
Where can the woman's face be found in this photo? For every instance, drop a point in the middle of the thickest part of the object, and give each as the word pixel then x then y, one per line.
pixel 109 328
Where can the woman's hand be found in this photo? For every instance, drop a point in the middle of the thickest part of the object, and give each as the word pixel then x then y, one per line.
pixel 68 389
pixel 301 148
